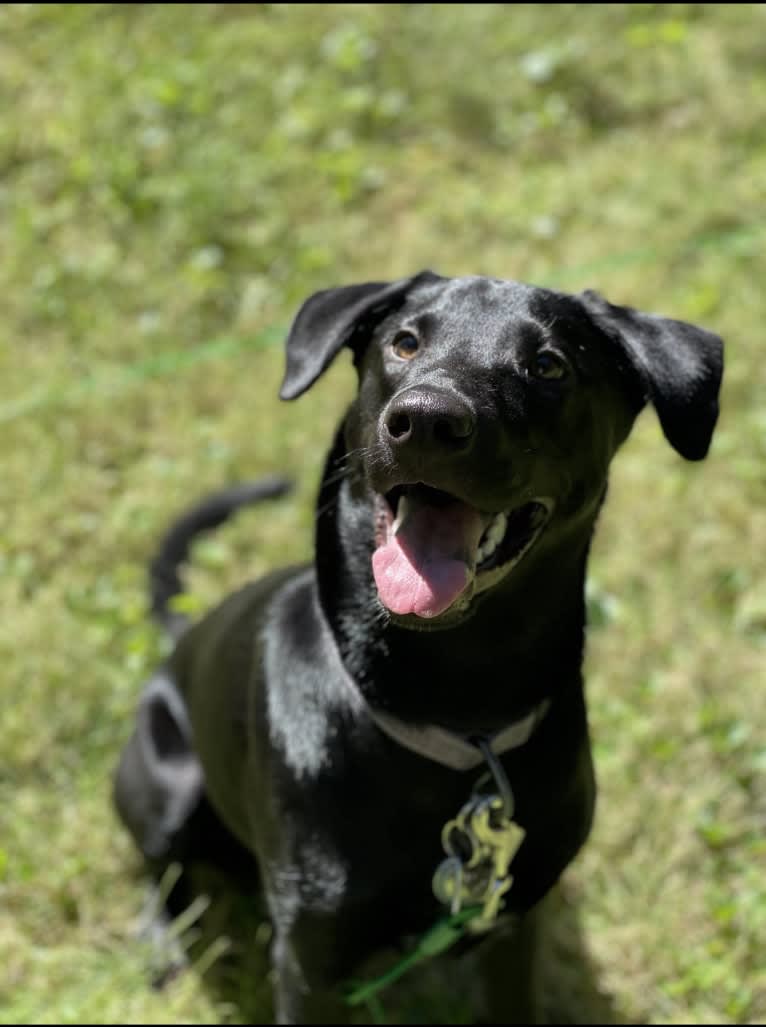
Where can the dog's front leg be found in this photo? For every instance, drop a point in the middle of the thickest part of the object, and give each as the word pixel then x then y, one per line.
pixel 307 968
pixel 506 962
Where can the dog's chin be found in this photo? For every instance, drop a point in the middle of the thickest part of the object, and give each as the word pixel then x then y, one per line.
pixel 452 618
pixel 499 544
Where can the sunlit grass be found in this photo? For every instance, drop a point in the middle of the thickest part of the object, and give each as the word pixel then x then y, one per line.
pixel 174 180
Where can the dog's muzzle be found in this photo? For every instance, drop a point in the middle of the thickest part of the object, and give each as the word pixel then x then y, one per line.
pixel 434 552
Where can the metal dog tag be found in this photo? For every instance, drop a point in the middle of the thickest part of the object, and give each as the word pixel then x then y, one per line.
pixel 480 844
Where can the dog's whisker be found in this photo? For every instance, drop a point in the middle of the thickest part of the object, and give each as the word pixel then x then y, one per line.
pixel 381 616
pixel 325 508
pixel 340 474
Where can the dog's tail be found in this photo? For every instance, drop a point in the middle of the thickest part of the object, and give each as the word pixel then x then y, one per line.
pixel 164 569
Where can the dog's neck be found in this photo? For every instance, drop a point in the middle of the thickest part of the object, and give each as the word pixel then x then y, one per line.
pixel 488 670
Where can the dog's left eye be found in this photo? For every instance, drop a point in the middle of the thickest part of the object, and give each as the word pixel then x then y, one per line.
pixel 405 345
pixel 548 366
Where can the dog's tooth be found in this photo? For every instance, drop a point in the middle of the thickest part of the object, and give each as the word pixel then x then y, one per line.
pixel 402 508
pixel 493 536
pixel 498 528
pixel 486 549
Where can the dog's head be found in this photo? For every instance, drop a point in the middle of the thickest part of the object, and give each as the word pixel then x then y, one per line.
pixel 486 417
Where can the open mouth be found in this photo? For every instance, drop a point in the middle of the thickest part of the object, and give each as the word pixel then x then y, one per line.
pixel 434 551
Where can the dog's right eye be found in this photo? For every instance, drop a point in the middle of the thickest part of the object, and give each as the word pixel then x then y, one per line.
pixel 548 366
pixel 405 345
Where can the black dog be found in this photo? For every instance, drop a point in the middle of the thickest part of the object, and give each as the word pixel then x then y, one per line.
pixel 330 715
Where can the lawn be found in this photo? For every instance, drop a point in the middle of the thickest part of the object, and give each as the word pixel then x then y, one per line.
pixel 174 181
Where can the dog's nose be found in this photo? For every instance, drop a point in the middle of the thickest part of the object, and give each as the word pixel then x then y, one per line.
pixel 432 417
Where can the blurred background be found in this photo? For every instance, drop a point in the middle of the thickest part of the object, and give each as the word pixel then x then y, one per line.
pixel 174 181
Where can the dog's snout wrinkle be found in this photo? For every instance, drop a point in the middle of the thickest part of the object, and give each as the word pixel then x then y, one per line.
pixel 434 419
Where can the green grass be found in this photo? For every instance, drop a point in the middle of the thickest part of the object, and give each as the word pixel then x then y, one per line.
pixel 174 180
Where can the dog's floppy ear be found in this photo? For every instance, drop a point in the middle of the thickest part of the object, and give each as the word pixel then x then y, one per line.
pixel 334 318
pixel 679 367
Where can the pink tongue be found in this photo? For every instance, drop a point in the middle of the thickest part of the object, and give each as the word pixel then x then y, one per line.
pixel 425 566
